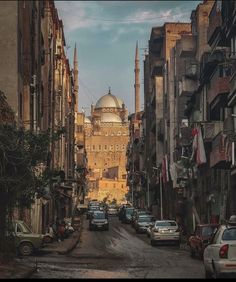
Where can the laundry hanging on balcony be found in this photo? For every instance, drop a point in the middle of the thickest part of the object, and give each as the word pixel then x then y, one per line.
pixel 198 150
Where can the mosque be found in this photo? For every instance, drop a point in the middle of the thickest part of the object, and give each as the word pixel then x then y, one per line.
pixel 106 139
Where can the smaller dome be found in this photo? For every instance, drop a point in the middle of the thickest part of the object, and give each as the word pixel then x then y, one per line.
pixel 87 120
pixel 110 117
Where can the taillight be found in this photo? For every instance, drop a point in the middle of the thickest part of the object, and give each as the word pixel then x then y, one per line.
pixel 223 252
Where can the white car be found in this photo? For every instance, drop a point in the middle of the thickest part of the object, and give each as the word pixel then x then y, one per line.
pixel 220 255
pixel 165 231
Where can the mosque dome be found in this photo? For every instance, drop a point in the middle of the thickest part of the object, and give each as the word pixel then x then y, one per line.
pixel 110 117
pixel 109 101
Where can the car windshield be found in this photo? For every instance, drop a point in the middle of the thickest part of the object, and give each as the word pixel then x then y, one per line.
pixel 229 234
pixel 94 208
pixel 208 230
pixel 99 215
pixel 129 211
pixel 146 219
pixel 165 223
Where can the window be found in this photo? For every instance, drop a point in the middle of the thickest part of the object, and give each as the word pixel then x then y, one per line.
pixel 79 128
pixel 99 147
pixel 117 147
pixel 105 147
pixel 93 147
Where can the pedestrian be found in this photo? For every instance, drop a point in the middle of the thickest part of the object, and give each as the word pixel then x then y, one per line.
pixel 61 231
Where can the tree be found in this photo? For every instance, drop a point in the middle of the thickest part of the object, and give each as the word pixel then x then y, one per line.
pixel 21 153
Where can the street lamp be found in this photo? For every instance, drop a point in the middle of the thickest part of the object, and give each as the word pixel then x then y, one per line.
pixel 161 204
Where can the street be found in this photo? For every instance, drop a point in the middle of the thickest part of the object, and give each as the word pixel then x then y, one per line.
pixel 117 253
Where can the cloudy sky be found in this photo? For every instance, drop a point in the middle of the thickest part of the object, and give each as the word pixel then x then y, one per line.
pixel 105 33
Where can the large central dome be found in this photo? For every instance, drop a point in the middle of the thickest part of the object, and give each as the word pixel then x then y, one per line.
pixel 109 101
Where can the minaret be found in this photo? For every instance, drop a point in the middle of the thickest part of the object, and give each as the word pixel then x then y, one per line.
pixel 76 83
pixel 137 83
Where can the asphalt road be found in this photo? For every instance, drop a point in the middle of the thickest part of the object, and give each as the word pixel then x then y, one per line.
pixel 118 253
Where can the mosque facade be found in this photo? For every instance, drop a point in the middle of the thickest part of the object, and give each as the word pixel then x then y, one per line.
pixel 106 139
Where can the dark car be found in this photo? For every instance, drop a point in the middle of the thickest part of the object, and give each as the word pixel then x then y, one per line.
pixel 91 210
pixel 127 215
pixel 121 210
pixel 99 220
pixel 142 222
pixel 200 238
pixel 138 212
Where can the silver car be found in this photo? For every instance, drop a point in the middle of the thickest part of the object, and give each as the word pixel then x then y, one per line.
pixel 165 231
pixel 220 255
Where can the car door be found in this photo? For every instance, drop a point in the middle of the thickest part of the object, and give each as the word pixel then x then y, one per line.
pixel 211 252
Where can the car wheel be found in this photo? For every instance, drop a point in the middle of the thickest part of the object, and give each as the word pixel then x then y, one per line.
pixel 26 249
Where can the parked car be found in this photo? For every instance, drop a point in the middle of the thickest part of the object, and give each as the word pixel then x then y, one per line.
pixel 165 231
pixel 200 238
pixel 91 210
pixel 112 210
pixel 136 213
pixel 121 210
pixel 26 242
pixel 128 212
pixel 142 222
pixel 99 220
pixel 220 255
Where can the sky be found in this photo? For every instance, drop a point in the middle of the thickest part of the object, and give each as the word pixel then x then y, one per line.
pixel 105 33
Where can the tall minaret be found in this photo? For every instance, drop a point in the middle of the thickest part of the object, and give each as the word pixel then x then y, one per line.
pixel 76 82
pixel 137 83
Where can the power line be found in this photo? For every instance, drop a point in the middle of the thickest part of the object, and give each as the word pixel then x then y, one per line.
pixel 89 92
pixel 131 20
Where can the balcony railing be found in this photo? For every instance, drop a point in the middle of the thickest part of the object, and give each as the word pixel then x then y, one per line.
pixel 219 84
pixel 232 88
pixel 211 130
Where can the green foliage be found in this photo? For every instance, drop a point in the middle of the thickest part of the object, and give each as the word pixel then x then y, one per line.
pixel 22 155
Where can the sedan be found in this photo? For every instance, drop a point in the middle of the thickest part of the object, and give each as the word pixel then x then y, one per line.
pixel 99 220
pixel 220 255
pixel 143 222
pixel 165 231
pixel 200 238
pixel 25 240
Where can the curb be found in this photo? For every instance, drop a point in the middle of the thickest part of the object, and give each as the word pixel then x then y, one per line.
pixel 74 244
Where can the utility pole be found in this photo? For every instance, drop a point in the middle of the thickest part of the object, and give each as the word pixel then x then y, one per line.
pixel 160 180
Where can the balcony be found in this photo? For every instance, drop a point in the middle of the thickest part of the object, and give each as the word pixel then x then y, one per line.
pixel 215 23
pixel 157 67
pixel 219 83
pixel 187 45
pixel 209 63
pixel 218 155
pixel 191 69
pixel 211 130
pixel 187 86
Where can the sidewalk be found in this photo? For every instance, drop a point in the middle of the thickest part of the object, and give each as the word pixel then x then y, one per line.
pixel 16 270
